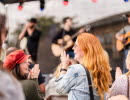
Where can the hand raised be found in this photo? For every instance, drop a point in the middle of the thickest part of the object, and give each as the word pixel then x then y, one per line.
pixel 64 59
pixel 34 72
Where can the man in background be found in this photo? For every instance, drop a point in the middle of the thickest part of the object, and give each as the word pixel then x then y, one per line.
pixel 60 38
pixel 125 30
pixel 33 36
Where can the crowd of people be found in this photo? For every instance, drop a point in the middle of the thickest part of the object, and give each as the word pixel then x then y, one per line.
pixel 84 71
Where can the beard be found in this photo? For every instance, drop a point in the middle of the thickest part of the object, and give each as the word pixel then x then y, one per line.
pixel 32 26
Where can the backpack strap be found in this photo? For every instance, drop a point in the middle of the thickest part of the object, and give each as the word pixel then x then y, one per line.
pixel 90 84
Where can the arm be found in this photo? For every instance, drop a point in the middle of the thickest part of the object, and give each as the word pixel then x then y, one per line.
pixel 57 37
pixel 66 81
pixel 22 34
pixel 37 91
pixel 34 73
pixel 120 33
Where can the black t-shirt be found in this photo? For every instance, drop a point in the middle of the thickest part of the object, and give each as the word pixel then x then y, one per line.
pixel 61 34
pixel 32 43
pixel 41 79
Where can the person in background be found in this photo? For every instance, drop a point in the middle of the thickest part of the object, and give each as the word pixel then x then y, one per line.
pixel 61 37
pixel 10 88
pixel 51 86
pixel 17 63
pixel 33 36
pixel 41 79
pixel 125 30
pixel 121 84
pixel 93 60
pixel 10 49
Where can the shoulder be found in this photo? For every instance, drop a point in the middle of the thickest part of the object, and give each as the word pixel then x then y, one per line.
pixel 121 80
pixel 28 83
pixel 122 77
pixel 77 68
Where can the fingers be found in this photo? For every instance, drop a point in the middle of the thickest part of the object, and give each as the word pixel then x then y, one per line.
pixel 118 72
pixel 34 72
pixel 29 76
pixel 64 59
pixel 68 56
pixel 63 53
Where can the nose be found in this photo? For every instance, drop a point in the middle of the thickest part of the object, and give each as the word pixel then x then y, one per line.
pixel 73 47
pixel 28 63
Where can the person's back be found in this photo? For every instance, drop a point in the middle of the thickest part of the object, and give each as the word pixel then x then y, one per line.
pixel 79 90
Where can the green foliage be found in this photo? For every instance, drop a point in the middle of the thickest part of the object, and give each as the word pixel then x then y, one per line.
pixel 44 23
pixel 18 29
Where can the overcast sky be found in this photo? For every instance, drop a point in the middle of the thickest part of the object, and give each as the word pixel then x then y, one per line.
pixel 85 11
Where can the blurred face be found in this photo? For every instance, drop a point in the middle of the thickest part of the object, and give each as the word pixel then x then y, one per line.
pixel 69 22
pixel 31 24
pixel 128 61
pixel 78 52
pixel 24 67
pixel 128 19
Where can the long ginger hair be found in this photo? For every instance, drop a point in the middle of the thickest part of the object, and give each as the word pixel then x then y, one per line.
pixel 96 60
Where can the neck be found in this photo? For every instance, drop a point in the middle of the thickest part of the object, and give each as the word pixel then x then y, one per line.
pixel 66 27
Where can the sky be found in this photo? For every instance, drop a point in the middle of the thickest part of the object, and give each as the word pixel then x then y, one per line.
pixel 83 11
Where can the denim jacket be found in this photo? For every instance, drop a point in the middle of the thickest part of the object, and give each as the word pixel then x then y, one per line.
pixel 75 84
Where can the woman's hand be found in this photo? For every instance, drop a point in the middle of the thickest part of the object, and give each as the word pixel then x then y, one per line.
pixel 65 61
pixel 118 72
pixel 34 72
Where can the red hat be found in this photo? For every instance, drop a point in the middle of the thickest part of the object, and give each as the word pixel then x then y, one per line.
pixel 14 58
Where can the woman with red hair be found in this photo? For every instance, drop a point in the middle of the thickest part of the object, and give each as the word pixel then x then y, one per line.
pixel 89 79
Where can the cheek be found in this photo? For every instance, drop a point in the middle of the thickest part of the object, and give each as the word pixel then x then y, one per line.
pixel 23 69
pixel 78 53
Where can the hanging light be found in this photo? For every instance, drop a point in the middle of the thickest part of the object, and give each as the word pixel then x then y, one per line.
pixel 65 2
pixel 20 7
pixel 94 0
pixel 126 0
pixel 42 4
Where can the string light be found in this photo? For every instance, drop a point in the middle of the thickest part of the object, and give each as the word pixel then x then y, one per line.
pixel 20 7
pixel 65 2
pixel 126 0
pixel 42 4
pixel 94 0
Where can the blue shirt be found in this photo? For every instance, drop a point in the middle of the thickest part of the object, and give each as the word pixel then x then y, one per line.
pixel 75 84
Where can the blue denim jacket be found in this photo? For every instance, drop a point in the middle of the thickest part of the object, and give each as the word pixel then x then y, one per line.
pixel 75 84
